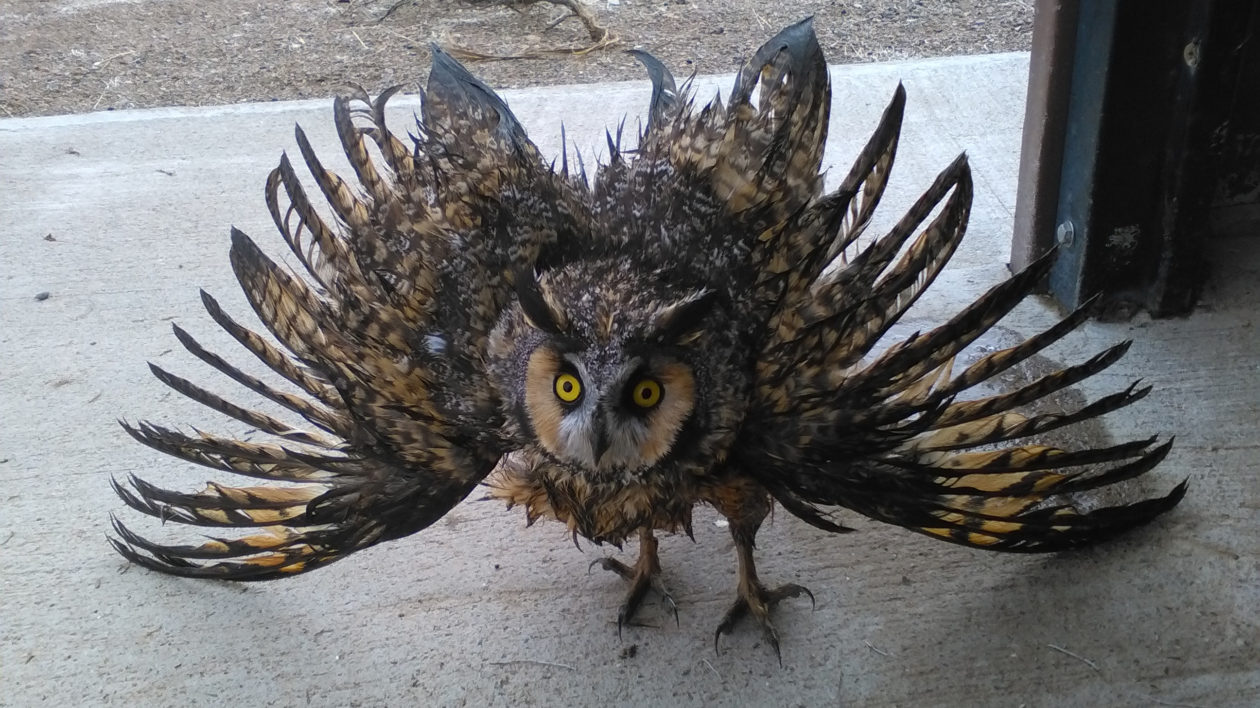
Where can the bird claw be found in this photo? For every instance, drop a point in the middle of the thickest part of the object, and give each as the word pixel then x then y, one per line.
pixel 614 565
pixel 642 577
pixel 758 601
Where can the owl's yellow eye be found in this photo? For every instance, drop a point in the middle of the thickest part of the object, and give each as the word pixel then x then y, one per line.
pixel 568 388
pixel 646 393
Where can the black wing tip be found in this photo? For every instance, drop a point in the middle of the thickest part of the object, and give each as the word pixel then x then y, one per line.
pixel 957 174
pixel 798 39
pixel 447 74
pixel 212 306
pixel 1174 497
pixel 800 44
pixel 389 92
pixel 896 106
pixel 304 147
pixel 656 69
pixel 801 40
pixel 135 431
pixel 153 558
pixel 242 244
pixel 1177 493
pixel 799 33
pixel 664 88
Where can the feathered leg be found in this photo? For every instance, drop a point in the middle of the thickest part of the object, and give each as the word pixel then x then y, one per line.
pixel 745 504
pixel 643 576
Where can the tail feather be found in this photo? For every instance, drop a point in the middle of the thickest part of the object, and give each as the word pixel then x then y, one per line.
pixel 761 160
pixel 665 102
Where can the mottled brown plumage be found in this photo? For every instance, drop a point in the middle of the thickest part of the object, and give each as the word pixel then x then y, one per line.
pixel 697 324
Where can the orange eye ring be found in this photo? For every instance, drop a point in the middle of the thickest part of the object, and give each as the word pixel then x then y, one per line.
pixel 647 393
pixel 568 388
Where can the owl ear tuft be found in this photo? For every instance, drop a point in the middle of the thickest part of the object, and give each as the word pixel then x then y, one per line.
pixel 682 321
pixel 540 309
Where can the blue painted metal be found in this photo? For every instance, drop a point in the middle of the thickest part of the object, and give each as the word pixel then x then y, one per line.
pixel 1096 24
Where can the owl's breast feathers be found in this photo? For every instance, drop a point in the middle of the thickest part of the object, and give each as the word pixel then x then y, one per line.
pixel 601 508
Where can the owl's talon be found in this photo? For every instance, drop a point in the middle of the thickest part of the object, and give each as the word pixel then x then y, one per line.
pixel 756 600
pixel 790 590
pixel 614 565
pixel 666 598
pixel 644 575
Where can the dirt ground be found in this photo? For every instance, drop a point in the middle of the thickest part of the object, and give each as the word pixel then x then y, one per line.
pixel 75 56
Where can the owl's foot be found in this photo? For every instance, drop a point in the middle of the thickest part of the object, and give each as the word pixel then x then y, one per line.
pixel 643 576
pixel 754 599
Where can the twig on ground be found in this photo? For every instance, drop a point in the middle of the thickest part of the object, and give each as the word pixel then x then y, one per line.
pixel 597 32
pixel 391 10
pixel 1076 656
pixel 108 59
pixel 875 649
pixel 601 36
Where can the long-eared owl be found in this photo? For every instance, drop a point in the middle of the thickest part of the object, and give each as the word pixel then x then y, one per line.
pixel 697 322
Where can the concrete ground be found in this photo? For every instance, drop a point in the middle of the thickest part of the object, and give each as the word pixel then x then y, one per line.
pixel 121 217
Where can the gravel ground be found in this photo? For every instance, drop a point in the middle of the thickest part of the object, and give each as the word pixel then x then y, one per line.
pixel 75 56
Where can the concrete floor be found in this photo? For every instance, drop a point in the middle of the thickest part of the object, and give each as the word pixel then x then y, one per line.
pixel 480 610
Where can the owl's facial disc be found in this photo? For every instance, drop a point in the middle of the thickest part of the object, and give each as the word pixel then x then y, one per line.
pixel 607 415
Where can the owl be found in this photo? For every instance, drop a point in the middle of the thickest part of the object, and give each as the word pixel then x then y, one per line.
pixel 695 323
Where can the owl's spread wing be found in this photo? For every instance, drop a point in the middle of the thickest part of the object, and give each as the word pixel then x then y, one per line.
pixel 897 435
pixel 382 335
pixel 704 188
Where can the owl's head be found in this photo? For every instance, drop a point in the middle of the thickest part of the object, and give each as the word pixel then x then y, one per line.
pixel 606 372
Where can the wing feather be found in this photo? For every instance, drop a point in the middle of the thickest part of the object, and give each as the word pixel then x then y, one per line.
pixel 382 331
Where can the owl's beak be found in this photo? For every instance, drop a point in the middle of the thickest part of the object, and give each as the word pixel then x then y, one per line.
pixel 600 446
